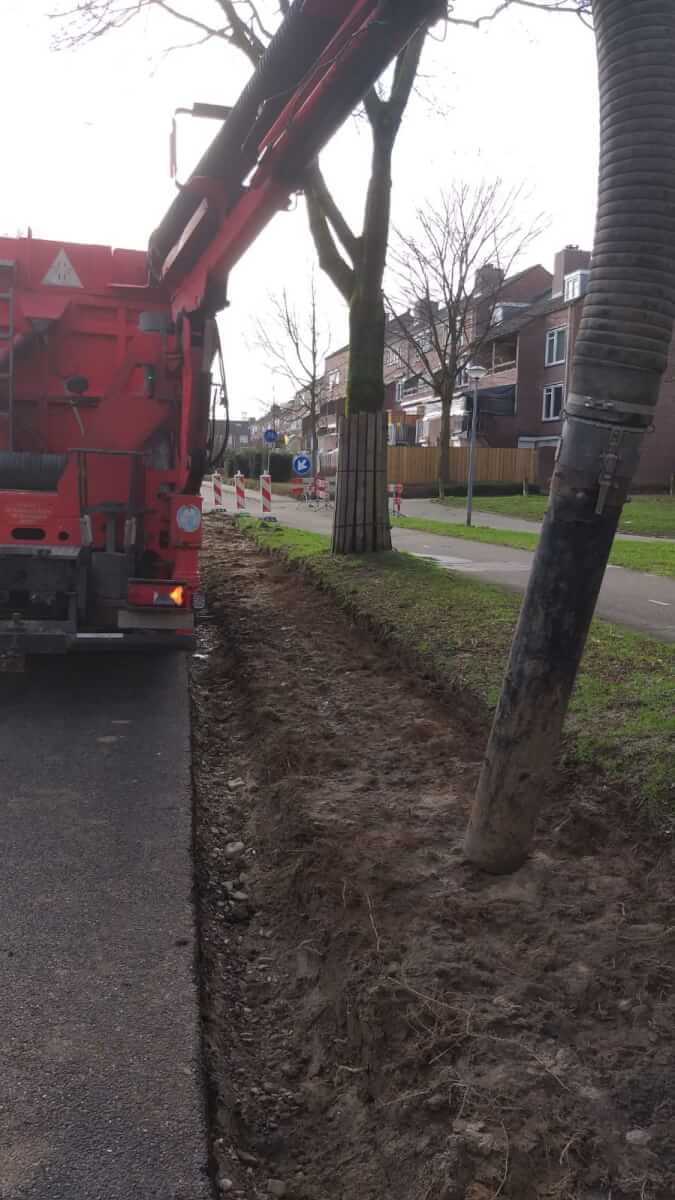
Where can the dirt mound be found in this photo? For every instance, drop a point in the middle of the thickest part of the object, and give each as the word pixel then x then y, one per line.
pixel 382 1023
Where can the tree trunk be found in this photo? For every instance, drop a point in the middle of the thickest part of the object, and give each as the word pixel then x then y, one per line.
pixel 621 353
pixel 444 442
pixel 313 415
pixel 361 523
pixel 359 474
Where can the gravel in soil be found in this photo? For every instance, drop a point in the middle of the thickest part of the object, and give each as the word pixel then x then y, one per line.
pixel 380 1021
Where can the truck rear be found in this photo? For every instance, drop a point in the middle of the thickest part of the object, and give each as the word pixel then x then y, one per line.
pixel 104 404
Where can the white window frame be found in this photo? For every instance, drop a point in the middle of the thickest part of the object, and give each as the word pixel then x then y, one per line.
pixel 572 287
pixel 576 284
pixel 390 356
pixel 552 336
pixel 549 401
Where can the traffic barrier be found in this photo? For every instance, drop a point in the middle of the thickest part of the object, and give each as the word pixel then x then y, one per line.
pixel 321 488
pixel 218 502
pixel 297 489
pixel 395 491
pixel 240 492
pixel 266 494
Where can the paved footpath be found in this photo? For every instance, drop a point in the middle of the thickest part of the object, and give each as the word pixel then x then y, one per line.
pixel 100 1078
pixel 632 598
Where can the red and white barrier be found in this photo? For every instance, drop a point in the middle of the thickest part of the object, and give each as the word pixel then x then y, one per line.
pixel 240 492
pixel 218 502
pixel 321 489
pixel 395 494
pixel 266 494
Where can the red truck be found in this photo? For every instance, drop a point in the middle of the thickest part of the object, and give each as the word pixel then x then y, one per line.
pixel 106 355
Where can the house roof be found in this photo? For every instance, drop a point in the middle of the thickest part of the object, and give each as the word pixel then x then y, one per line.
pixel 539 308
pixel 394 323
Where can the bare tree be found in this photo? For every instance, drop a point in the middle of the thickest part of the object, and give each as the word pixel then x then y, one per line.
pixel 295 345
pixel 451 273
pixel 356 265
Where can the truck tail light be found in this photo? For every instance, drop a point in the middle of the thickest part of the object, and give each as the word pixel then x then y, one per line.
pixel 157 594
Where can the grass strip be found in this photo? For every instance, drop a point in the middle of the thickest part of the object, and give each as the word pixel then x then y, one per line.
pixel 649 516
pixel 657 557
pixel 622 717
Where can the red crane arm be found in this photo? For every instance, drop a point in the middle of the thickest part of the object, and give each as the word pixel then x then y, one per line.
pixel 324 58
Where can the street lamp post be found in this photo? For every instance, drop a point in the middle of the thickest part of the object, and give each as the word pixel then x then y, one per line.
pixel 475 374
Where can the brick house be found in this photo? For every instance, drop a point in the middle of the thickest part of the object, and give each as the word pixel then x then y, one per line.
pixel 532 351
pixel 404 371
pixel 334 394
pixel 527 353
pixel 409 398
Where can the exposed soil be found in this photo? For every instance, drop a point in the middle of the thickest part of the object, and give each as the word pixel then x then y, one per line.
pixel 382 1022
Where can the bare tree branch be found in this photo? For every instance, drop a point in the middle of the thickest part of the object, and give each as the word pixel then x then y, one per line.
pixel 88 20
pixel 405 72
pixel 579 8
pixel 315 181
pixel 330 259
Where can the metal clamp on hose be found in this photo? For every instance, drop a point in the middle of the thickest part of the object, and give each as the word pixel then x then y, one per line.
pixel 602 454
pixel 589 408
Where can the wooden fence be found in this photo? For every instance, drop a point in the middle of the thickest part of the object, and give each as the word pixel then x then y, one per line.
pixel 419 465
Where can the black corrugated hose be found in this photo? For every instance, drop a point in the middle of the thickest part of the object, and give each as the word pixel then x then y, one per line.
pixel 621 353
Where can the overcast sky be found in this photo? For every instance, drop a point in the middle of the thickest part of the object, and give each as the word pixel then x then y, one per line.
pixel 86 145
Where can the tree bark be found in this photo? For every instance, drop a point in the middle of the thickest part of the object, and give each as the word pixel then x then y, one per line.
pixel 314 441
pixel 620 356
pixel 361 524
pixel 365 383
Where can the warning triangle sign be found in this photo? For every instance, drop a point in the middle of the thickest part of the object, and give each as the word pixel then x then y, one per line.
pixel 62 272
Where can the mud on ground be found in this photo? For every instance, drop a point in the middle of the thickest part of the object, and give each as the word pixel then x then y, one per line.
pixel 381 1022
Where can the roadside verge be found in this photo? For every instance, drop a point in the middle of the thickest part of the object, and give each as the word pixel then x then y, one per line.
pixel 457 632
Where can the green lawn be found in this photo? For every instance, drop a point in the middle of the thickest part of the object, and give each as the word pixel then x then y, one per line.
pixel 653 516
pixel 656 557
pixel 459 630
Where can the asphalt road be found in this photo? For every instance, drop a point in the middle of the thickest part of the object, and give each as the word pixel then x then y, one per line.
pixel 632 598
pixel 100 1084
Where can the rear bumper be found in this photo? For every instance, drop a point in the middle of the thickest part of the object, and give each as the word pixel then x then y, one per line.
pixel 21 641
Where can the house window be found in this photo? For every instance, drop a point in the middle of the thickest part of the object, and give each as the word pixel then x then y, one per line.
pixel 333 380
pixel 556 346
pixel 389 356
pixel 576 285
pixel 553 401
pixel 399 390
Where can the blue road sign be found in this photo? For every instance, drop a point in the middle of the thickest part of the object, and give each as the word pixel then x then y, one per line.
pixel 270 436
pixel 302 464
